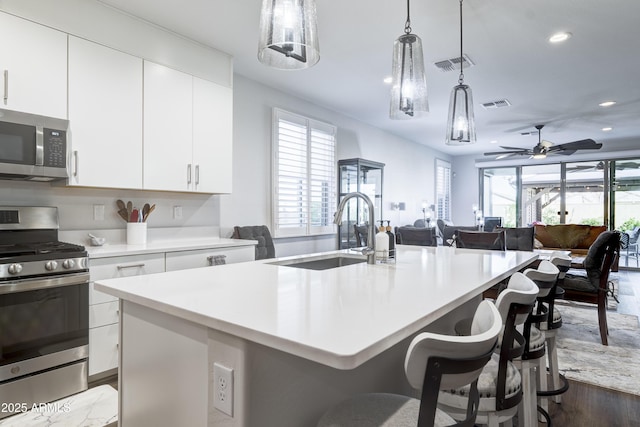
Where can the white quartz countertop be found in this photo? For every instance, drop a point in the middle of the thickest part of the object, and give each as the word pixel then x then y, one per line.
pixel 169 245
pixel 339 317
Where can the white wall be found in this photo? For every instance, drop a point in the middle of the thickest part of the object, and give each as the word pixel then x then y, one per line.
pixel 408 174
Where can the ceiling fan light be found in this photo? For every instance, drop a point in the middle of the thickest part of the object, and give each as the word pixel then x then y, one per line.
pixel 539 156
pixel 288 35
pixel 461 129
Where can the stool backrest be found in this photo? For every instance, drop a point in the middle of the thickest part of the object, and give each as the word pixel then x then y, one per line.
pixel 486 326
pixel 545 277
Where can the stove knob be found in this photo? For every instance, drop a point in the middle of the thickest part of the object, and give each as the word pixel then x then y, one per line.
pixel 15 268
pixel 50 265
pixel 68 263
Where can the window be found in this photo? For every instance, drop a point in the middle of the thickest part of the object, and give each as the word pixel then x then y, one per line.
pixel 443 189
pixel 304 175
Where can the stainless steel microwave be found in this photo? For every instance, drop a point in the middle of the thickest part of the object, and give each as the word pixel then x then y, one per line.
pixel 32 147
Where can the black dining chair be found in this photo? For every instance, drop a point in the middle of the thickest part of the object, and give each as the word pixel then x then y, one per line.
pixel 518 238
pixel 491 240
pixel 416 236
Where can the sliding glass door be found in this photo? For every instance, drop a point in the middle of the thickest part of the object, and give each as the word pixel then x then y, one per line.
pixel 585 195
pixel 625 194
pixel 501 194
pixel 541 201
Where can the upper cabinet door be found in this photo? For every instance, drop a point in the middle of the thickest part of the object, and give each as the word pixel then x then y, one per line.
pixel 212 136
pixel 105 116
pixel 33 68
pixel 168 130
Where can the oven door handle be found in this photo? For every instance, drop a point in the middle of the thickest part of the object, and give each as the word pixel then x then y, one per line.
pixel 44 282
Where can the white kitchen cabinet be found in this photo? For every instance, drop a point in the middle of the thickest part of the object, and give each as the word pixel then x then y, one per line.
pixel 187 132
pixel 204 257
pixel 33 67
pixel 105 115
pixel 103 348
pixel 168 129
pixel 212 136
pixel 103 308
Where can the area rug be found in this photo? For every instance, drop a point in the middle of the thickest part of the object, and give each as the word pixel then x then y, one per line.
pixel 583 358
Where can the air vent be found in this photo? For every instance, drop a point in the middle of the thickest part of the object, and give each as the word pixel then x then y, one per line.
pixel 453 64
pixel 496 104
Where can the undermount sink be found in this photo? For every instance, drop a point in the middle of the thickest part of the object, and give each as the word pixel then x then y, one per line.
pixel 321 263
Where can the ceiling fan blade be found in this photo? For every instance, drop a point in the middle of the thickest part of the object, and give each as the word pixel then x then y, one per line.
pixel 498 153
pixel 513 148
pixel 585 144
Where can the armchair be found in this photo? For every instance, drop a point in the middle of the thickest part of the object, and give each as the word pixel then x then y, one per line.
pixel 593 287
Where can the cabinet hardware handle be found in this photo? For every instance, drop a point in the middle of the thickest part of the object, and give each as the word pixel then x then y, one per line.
pixel 76 162
pixel 123 267
pixel 197 174
pixel 211 258
pixel 189 173
pixel 6 86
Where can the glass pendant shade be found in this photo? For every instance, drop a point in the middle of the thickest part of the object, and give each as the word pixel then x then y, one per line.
pixel 461 128
pixel 409 85
pixel 288 35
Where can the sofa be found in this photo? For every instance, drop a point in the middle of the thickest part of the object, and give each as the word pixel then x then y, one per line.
pixel 576 238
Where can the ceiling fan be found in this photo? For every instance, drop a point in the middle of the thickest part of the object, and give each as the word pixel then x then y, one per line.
pixel 543 148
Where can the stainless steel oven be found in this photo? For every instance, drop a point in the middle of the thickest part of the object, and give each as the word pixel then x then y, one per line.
pixel 44 309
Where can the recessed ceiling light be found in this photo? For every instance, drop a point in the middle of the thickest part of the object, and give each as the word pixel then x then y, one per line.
pixel 388 80
pixel 493 142
pixel 607 103
pixel 560 37
pixel 607 129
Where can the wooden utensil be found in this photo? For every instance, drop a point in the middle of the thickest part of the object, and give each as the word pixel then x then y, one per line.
pixel 144 217
pixel 129 208
pixel 145 211
pixel 124 214
pixel 121 204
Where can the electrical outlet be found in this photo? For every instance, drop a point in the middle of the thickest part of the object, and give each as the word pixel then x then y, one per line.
pixel 177 212
pixel 223 388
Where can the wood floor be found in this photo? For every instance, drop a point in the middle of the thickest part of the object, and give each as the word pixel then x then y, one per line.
pixel 583 405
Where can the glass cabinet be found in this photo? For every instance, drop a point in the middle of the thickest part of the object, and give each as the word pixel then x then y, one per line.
pixel 366 177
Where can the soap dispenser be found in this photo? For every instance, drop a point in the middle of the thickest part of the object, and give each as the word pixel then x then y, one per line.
pixel 392 241
pixel 382 244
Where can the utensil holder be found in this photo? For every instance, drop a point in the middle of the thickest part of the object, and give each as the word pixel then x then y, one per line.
pixel 136 233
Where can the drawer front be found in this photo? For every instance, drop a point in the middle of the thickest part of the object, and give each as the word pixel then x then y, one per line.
pixel 103 348
pixel 126 266
pixel 103 314
pixel 201 258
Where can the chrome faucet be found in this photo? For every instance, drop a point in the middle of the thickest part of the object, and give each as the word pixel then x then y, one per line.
pixel 370 250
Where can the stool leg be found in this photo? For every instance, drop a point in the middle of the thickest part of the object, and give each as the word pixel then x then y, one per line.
pixel 552 351
pixel 541 371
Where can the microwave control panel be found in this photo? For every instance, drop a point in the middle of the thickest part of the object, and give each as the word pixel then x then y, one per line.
pixel 55 148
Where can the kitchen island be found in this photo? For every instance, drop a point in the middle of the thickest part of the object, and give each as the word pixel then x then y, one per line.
pixel 298 340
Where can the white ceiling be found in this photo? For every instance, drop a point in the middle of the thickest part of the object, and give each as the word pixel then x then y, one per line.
pixel 556 85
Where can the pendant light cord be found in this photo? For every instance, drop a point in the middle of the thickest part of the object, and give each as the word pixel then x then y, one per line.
pixel 407 24
pixel 461 78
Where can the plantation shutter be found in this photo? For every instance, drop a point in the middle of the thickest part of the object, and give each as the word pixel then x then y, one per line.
pixel 443 189
pixel 304 175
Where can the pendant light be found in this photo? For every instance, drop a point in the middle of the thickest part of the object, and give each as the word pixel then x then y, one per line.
pixel 461 129
pixel 409 85
pixel 288 36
